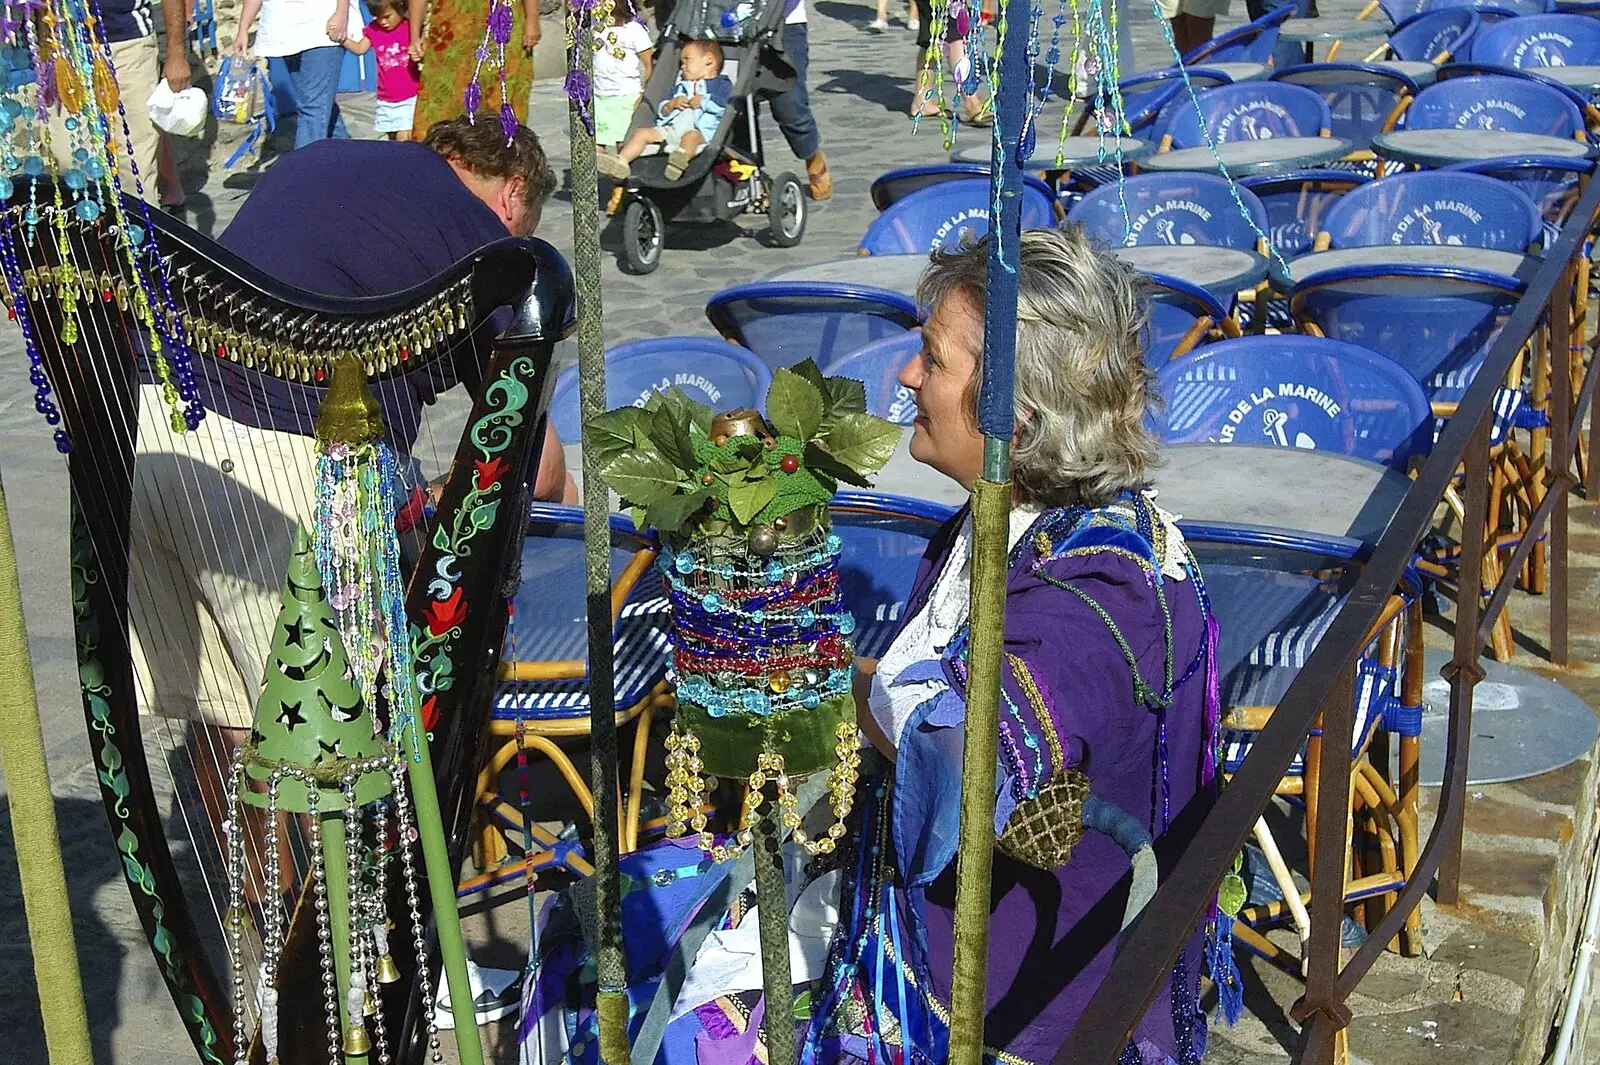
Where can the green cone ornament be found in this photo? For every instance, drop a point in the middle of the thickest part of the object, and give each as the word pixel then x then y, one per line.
pixel 762 649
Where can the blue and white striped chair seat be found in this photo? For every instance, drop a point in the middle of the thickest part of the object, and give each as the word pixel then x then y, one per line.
pixel 640 653
pixel 1266 685
pixel 1510 410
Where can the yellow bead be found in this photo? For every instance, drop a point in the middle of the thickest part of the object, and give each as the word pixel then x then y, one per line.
pixel 779 683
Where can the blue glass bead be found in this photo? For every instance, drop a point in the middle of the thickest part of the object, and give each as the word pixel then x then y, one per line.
pixel 135 235
pixel 684 563
pixel 63 441
pixel 712 603
pixel 847 624
pixel 31 216
pixel 12 106
pixel 834 543
pixel 94 168
pixel 88 210
pixel 815 558
pixel 774 571
pixel 810 699
pixel 6 188
pixel 759 616
pixel 7 120
pixel 75 179
pixel 33 166
pixel 725 571
pixel 72 122
pixel 805 617
pixel 80 154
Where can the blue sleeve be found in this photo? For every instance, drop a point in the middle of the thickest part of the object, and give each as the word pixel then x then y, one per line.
pixel 719 90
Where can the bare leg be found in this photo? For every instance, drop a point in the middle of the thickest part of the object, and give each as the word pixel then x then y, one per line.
pixel 971 109
pixel 211 752
pixel 685 151
pixel 920 103
pixel 167 169
pixel 880 19
pixel 639 141
pixel 1190 32
pixel 403 135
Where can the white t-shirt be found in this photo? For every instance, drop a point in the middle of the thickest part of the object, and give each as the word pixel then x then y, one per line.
pixel 289 27
pixel 796 14
pixel 616 75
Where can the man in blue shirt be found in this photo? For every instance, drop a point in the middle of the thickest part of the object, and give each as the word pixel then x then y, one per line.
pixel 215 508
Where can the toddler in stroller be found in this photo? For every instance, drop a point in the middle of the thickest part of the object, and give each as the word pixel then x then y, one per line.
pixel 686 121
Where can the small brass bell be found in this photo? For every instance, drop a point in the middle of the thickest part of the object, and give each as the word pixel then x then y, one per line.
pixel 356 1043
pixel 388 971
pixel 763 540
pixel 741 421
pixel 369 1005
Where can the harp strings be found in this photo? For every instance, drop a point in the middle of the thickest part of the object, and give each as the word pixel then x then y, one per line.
pixel 203 513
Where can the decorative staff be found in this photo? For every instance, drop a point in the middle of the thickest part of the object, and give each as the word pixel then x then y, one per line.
pixel 762 653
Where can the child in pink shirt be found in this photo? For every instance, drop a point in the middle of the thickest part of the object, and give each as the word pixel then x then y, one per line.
pixel 388 37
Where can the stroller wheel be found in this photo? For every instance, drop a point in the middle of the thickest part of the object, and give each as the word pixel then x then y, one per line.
pixel 642 232
pixel 786 210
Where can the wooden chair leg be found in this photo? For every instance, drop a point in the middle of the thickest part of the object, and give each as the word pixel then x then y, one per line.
pixel 1410 845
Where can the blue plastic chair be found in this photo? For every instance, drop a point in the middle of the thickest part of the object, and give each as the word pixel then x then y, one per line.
pixel 1535 41
pixel 1362 99
pixel 1434 322
pixel 884 538
pixel 1251 43
pixel 714 372
pixel 785 322
pixel 1180 207
pixel 1435 35
pixel 1495 101
pixel 878 366
pixel 544 687
pixel 1181 316
pixel 1495 11
pixel 1453 71
pixel 1435 207
pixel 1295 391
pixel 1552 182
pixel 948 212
pixel 1144 95
pixel 1248 110
pixel 1397 11
pixel 1297 204
pixel 899 183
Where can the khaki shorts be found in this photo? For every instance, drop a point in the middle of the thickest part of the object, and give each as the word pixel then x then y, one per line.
pixel 214 512
pixel 138 66
pixel 1211 9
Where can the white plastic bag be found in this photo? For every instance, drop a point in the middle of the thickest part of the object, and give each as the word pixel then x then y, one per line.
pixel 181 114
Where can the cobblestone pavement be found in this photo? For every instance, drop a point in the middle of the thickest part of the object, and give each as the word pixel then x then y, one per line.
pixel 860 86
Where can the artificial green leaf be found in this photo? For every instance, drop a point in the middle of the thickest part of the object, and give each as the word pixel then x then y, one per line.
pixel 669 514
pixel 641 477
pixel 640 519
pixel 751 498
pixel 794 405
pixel 613 432
pixel 820 462
pixel 758 471
pixel 807 368
pixel 685 410
pixel 862 442
pixel 670 434
pixel 846 395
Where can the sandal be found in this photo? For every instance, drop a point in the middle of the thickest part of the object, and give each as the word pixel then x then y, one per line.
pixel 613 166
pixel 983 118
pixel 676 163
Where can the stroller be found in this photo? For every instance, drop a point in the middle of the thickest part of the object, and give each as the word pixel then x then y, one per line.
pixel 726 179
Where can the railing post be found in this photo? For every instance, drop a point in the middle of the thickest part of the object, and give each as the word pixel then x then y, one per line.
pixel 1558 471
pixel 1463 671
pixel 1319 1011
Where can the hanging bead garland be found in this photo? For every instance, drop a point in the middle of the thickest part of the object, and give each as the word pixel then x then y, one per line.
pixel 496 36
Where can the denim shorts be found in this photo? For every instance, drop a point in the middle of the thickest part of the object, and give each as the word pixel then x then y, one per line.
pixel 394 116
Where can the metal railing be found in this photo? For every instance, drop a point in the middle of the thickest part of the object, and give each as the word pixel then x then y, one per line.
pixel 1324 687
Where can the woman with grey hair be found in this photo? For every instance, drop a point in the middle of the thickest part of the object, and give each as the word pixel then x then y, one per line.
pixel 1106 725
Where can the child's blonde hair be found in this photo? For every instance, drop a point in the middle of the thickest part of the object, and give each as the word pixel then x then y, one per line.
pixel 711 48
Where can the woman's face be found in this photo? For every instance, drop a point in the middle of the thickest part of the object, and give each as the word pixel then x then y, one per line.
pixel 945 434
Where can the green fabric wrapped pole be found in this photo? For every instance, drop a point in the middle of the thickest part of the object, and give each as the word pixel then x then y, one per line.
pixel 611 1000
pixel 773 920
pixel 33 828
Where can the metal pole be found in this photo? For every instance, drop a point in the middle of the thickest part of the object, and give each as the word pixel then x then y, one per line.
pixel 611 1000
pixel 991 509
pixel 33 828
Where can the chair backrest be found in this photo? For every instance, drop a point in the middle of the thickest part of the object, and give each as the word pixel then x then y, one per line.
pixel 878 366
pixel 883 539
pixel 1181 207
pixel 1435 322
pixel 1502 8
pixel 1246 110
pixel 785 322
pixel 903 181
pixel 1435 207
pixel 1297 204
pixel 1176 306
pixel 1251 43
pixel 1362 99
pixel 947 212
pixel 1294 391
pixel 1550 181
pixel 1539 41
pixel 1397 11
pixel 1437 32
pixel 1495 101
pixel 710 371
pixel 1144 95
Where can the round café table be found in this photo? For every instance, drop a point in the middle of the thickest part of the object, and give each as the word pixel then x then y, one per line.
pixel 1441 147
pixel 1585 78
pixel 899 273
pixel 1484 260
pixel 1332 28
pixel 1236 71
pixel 1418 70
pixel 1073 152
pixel 1249 158
pixel 1223 272
pixel 1279 488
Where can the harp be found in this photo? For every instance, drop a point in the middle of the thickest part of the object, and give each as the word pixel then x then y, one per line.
pixel 75 279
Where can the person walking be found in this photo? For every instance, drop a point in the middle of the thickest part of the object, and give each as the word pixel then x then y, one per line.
pixel 309 36
pixel 792 109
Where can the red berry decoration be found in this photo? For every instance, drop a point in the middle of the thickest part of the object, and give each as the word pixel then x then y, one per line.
pixel 789 463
